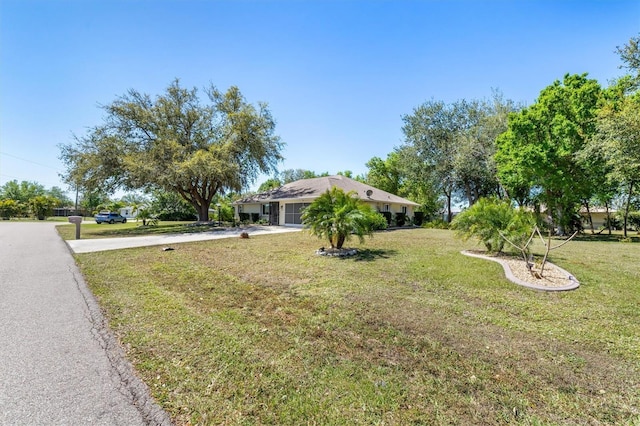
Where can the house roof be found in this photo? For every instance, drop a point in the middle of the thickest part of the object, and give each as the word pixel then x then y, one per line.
pixel 313 188
pixel 583 210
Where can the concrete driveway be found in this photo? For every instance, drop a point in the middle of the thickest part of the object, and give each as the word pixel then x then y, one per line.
pixel 102 244
pixel 59 364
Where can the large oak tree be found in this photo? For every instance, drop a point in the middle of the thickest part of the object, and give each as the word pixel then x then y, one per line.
pixel 537 157
pixel 450 147
pixel 177 143
pixel 430 136
pixel 617 141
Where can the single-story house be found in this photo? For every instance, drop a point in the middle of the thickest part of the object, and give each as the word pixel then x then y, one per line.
pixel 598 215
pixel 130 212
pixel 284 205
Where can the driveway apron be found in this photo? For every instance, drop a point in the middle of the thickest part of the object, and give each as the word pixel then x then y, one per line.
pixel 59 364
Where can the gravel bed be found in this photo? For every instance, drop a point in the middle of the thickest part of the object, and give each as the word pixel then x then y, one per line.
pixel 553 277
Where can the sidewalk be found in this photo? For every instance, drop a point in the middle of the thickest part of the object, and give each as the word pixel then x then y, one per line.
pixel 102 244
pixel 59 364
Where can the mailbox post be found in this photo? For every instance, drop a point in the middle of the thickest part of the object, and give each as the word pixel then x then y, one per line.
pixel 77 220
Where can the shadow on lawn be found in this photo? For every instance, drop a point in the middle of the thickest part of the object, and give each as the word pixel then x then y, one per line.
pixel 160 229
pixel 369 255
pixel 613 238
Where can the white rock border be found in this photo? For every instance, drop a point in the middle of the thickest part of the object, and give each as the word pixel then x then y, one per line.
pixel 507 271
pixel 340 253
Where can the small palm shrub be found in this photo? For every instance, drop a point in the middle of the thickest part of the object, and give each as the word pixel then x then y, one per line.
pixel 42 206
pixel 147 217
pixel 491 221
pixel 336 215
pixel 10 208
pixel 436 224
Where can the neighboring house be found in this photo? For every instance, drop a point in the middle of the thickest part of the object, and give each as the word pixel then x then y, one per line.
pixel 64 211
pixel 129 212
pixel 284 205
pixel 598 215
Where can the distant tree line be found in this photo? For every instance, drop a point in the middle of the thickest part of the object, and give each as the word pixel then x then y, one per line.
pixel 577 146
pixel 30 199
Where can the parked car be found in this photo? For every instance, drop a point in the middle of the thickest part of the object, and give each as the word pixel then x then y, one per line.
pixel 109 217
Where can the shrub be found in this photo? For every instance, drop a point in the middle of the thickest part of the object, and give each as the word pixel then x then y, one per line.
pixel 171 207
pixel 147 217
pixel 418 218
pixel 387 216
pixel 490 219
pixel 176 216
pixel 400 219
pixel 613 223
pixel 633 221
pixel 42 206
pixel 9 208
pixel 336 215
pixel 437 224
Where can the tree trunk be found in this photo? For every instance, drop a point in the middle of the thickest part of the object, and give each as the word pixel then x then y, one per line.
pixel 469 194
pixel 606 206
pixel 586 204
pixel 203 210
pixel 626 209
pixel 560 218
pixel 449 214
pixel 200 203
pixel 340 242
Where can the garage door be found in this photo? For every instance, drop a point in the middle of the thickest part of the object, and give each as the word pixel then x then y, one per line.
pixel 293 213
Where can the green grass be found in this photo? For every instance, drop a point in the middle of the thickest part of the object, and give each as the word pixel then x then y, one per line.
pixel 132 229
pixel 33 219
pixel 262 331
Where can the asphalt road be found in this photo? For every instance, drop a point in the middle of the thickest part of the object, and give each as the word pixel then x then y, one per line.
pixel 59 364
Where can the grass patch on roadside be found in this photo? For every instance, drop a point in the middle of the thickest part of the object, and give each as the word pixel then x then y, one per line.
pixel 262 331
pixel 133 229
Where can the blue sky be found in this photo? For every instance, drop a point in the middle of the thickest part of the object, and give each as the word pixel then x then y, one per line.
pixel 338 75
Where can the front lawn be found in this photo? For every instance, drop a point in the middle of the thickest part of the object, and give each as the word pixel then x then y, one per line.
pixel 132 229
pixel 263 331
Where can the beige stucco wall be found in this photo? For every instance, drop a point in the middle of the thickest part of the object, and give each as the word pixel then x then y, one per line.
pixel 393 208
pixel 599 219
pixel 249 208
pixel 257 208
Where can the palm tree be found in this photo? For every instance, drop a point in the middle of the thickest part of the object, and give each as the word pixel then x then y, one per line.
pixel 337 215
pixel 148 218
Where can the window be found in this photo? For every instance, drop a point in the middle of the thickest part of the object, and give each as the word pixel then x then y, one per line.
pixel 265 209
pixel 404 209
pixel 293 213
pixel 385 208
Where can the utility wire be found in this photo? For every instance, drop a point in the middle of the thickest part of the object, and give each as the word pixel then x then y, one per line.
pixel 29 161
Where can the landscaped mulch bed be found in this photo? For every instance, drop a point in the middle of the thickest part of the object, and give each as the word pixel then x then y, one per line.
pixel 553 278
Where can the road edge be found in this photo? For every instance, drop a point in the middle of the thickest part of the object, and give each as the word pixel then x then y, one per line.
pixel 131 385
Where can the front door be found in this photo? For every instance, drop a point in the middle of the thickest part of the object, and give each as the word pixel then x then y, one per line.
pixel 274 213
